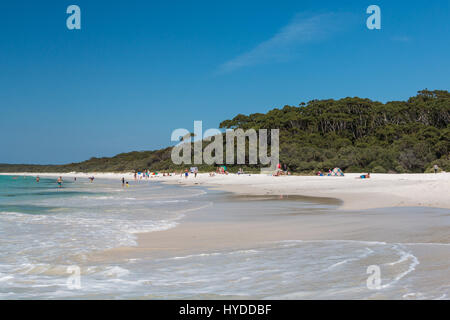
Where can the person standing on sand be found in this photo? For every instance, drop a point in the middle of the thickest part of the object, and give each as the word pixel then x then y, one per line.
pixel 436 168
pixel 123 182
pixel 195 172
pixel 186 173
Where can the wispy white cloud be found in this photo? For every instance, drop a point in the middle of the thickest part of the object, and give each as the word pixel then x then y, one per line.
pixel 280 47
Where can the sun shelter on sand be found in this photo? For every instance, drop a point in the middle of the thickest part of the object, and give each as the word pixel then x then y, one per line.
pixel 337 172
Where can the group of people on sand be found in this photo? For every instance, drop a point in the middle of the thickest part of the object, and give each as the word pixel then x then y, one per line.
pixel 221 170
pixel 194 171
pixel 282 170
pixel 186 172
pixel 138 175
pixel 146 174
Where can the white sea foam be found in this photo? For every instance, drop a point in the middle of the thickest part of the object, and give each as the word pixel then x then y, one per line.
pixel 404 256
pixel 115 272
pixel 197 255
pixel 5 278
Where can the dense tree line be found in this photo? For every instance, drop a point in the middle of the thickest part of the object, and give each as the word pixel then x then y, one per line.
pixel 359 134
pixel 352 133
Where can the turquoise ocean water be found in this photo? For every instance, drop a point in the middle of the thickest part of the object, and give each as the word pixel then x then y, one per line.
pixel 45 229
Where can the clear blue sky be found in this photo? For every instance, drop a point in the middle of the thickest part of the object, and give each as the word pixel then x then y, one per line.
pixel 139 69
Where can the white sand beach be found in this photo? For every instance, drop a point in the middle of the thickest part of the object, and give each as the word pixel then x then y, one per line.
pixel 380 191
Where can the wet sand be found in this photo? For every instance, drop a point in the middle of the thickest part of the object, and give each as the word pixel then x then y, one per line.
pixel 242 222
pixel 415 244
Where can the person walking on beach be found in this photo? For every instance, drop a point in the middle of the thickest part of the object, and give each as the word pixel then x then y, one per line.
pixel 195 172
pixel 123 182
pixel 186 173
pixel 59 182
pixel 436 168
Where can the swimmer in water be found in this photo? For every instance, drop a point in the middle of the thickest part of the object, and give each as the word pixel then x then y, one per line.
pixel 59 182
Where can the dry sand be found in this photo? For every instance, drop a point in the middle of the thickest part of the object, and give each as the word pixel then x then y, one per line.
pixel 380 191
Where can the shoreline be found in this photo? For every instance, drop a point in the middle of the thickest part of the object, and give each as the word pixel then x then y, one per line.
pixel 380 191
